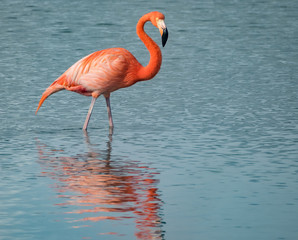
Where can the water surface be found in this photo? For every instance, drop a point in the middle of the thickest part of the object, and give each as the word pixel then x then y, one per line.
pixel 208 149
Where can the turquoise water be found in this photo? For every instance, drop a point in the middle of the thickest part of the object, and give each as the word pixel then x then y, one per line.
pixel 208 149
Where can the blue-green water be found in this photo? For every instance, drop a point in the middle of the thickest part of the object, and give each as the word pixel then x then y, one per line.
pixel 208 149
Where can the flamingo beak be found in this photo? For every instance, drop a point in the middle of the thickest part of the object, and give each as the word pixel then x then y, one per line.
pixel 164 36
pixel 163 31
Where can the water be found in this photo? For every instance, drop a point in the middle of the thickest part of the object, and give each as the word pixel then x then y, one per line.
pixel 206 150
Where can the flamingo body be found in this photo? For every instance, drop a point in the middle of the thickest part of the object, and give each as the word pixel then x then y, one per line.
pixel 106 71
pixel 102 72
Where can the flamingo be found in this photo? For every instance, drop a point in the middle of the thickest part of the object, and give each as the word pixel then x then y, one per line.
pixel 108 70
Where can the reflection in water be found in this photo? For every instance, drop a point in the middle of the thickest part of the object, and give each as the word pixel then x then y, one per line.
pixel 98 187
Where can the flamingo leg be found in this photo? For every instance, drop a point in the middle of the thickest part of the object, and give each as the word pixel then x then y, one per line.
pixel 89 113
pixel 111 124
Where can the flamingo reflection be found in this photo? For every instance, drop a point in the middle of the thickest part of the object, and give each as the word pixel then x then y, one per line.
pixel 100 186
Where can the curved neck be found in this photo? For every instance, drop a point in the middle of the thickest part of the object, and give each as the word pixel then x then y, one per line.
pixel 149 71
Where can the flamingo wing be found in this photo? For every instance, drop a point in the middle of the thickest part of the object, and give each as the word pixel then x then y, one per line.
pixel 101 72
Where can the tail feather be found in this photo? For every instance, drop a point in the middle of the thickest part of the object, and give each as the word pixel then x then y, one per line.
pixel 56 86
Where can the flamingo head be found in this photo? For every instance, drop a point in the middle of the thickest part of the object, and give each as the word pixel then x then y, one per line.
pixel 158 20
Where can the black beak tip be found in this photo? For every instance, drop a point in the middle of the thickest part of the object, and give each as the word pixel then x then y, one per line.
pixel 164 37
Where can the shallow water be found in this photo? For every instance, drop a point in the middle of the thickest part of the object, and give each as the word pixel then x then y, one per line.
pixel 206 150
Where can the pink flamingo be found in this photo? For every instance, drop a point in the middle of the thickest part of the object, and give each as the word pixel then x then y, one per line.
pixel 108 70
